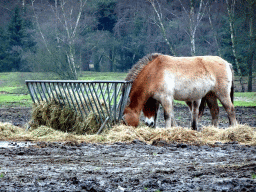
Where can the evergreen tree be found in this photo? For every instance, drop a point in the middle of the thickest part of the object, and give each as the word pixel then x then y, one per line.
pixel 16 29
pixel 20 41
pixel 16 35
pixel 5 64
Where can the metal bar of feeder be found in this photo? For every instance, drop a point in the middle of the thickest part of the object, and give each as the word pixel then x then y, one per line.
pixel 61 95
pixel 124 96
pixel 89 99
pixel 95 102
pixel 49 84
pixel 103 98
pixel 35 91
pixel 119 100
pixel 115 102
pixel 55 86
pixel 88 96
pixel 114 95
pixel 109 102
pixel 105 103
pixel 82 92
pixel 48 91
pixel 43 92
pixel 39 91
pixel 81 101
pixel 30 91
pixel 68 95
pixel 74 95
pixel 97 98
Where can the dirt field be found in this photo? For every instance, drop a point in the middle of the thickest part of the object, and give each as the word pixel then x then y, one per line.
pixel 134 166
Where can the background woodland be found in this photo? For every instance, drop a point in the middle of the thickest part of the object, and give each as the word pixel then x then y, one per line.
pixel 68 36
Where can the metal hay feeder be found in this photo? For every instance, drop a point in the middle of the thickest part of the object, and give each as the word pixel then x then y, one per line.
pixel 85 96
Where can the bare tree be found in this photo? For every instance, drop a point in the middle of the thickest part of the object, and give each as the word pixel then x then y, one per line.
pixel 159 23
pixel 194 20
pixel 67 16
pixel 252 44
pixel 213 28
pixel 231 15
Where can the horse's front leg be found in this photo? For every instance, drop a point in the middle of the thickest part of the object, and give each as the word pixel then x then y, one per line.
pixel 166 117
pixel 195 111
pixel 167 103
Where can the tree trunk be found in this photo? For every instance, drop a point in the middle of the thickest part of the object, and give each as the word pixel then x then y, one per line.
pixel 162 28
pixel 111 60
pixel 251 47
pixel 232 37
pixel 215 34
pixel 192 28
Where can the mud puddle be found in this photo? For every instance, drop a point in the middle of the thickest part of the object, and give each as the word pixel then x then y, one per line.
pixel 132 166
pixel 10 144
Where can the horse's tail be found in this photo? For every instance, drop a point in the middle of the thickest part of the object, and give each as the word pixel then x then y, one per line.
pixel 232 84
pixel 202 107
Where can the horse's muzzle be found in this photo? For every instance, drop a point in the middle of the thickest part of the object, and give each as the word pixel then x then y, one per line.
pixel 151 124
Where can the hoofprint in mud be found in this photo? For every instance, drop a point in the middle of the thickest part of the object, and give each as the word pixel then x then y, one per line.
pixel 134 166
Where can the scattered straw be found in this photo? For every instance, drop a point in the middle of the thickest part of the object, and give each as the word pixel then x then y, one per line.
pixel 11 132
pixel 243 134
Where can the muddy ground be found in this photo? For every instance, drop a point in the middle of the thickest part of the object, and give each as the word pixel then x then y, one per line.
pixel 134 166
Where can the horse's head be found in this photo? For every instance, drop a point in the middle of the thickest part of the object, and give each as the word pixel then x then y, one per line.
pixel 130 118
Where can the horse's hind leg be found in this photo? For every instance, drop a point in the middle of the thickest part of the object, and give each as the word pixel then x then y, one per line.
pixel 212 103
pixel 229 107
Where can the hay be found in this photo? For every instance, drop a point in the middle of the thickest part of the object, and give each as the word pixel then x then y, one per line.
pixel 11 132
pixel 209 135
pixel 122 133
pixel 61 117
pixel 243 134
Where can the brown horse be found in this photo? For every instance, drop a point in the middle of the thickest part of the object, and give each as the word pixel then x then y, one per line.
pixel 161 79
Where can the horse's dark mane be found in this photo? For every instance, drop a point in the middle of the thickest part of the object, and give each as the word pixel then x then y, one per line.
pixel 137 68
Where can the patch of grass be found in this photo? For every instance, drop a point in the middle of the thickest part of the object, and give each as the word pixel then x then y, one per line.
pixel 91 75
pixel 13 100
pixel 253 175
pixel 245 99
pixel 14 90
pixel 1 175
